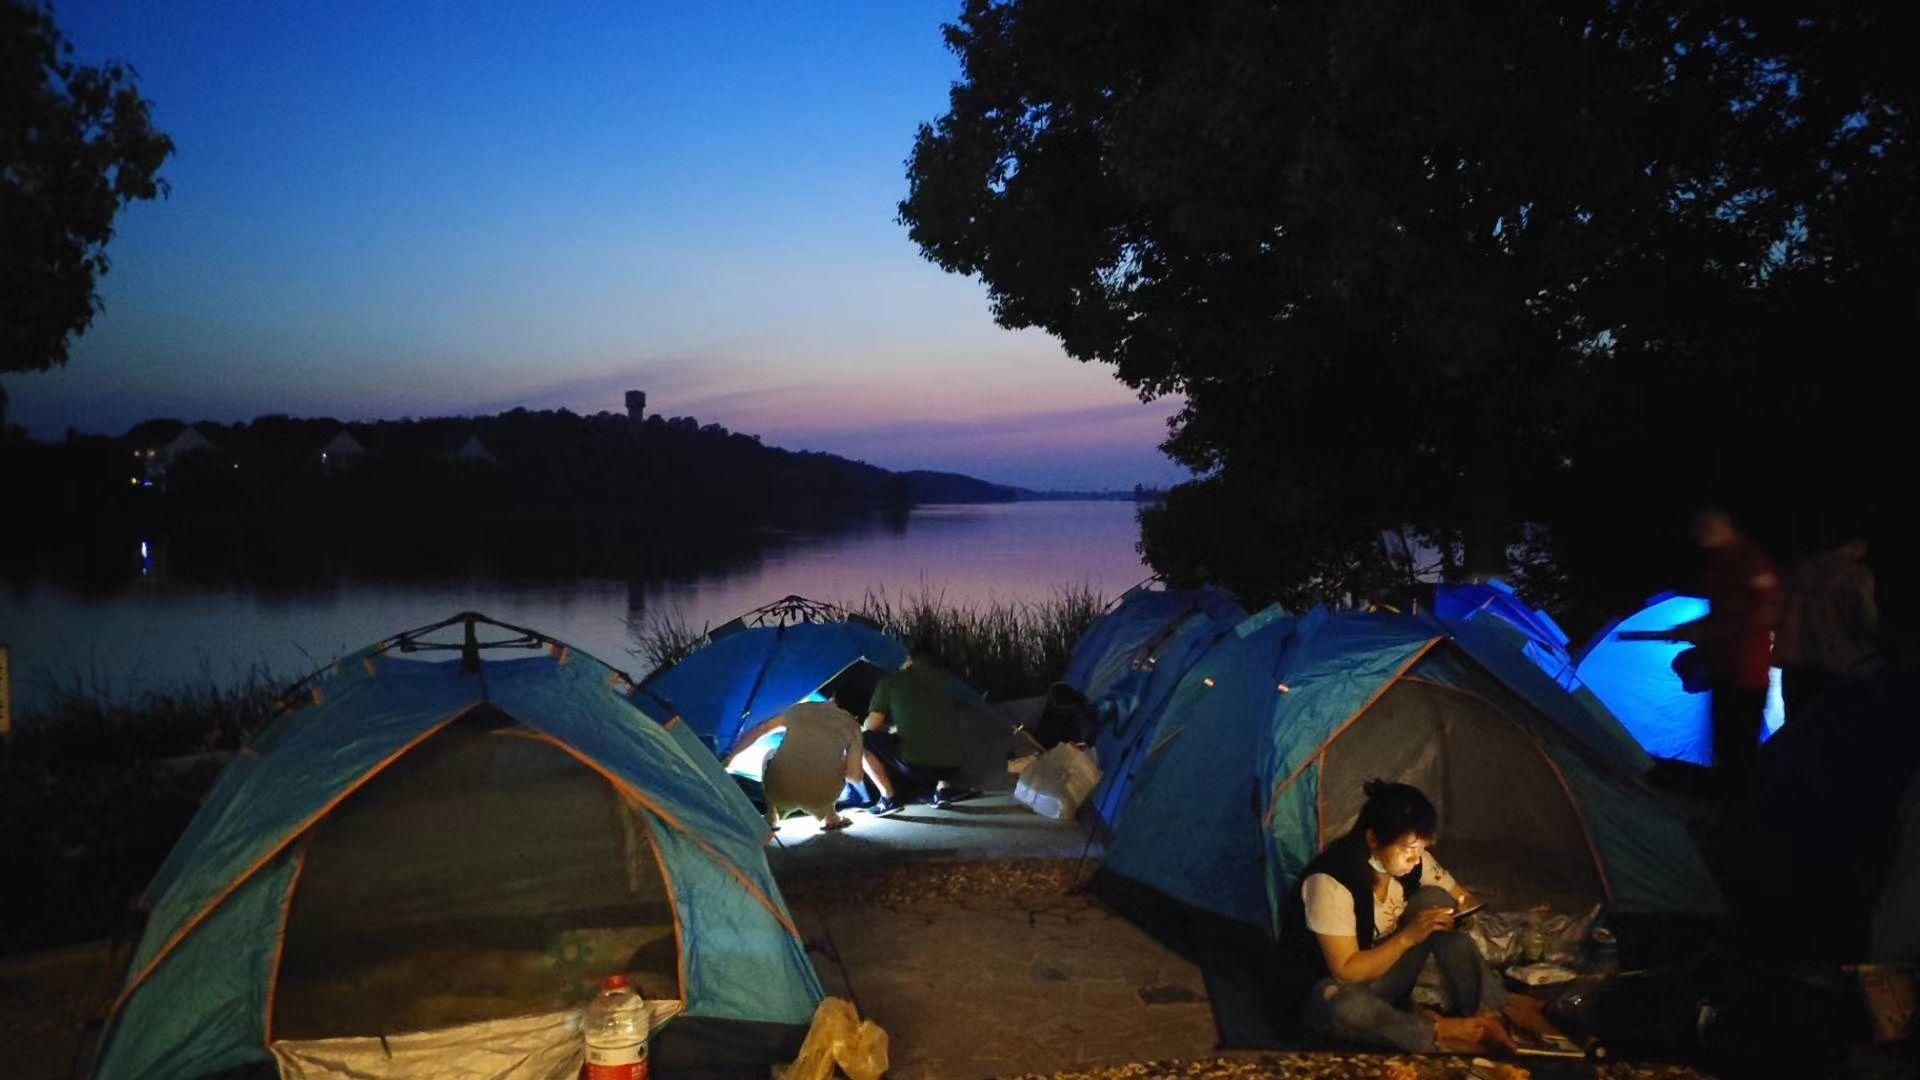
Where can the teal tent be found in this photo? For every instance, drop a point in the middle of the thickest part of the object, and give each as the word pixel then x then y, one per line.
pixel 1128 664
pixel 458 846
pixel 1260 755
pixel 1112 652
pixel 755 667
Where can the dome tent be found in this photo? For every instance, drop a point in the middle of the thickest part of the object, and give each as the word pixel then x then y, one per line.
pixel 1261 754
pixel 1637 682
pixel 460 847
pixel 1128 664
pixel 1493 604
pixel 1113 651
pixel 755 667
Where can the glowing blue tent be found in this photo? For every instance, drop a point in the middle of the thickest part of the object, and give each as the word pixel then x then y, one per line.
pixel 460 848
pixel 1262 749
pixel 1637 682
pixel 1128 664
pixel 760 664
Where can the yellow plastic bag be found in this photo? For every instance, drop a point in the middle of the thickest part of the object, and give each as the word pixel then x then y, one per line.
pixel 840 1038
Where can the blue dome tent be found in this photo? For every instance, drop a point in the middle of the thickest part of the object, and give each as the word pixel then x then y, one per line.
pixel 1494 605
pixel 758 665
pixel 459 849
pixel 1637 682
pixel 1128 665
pixel 1263 747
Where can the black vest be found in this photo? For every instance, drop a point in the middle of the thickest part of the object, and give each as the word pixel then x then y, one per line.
pixel 1345 861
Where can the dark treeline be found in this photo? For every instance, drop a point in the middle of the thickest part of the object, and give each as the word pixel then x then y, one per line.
pixel 521 494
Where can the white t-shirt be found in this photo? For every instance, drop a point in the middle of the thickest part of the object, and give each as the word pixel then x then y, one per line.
pixel 1330 905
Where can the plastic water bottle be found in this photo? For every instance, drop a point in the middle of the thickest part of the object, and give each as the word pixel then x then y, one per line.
pixel 616 1032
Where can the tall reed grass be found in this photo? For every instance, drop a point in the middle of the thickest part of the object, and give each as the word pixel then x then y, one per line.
pixel 1004 648
pixel 95 790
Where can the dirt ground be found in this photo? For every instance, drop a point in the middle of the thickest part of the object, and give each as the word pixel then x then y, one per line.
pixel 1002 968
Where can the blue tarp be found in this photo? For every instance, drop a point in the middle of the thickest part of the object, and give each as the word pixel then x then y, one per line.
pixel 1637 682
pixel 755 673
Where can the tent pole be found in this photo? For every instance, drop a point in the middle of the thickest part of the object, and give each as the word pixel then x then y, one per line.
pixel 470 650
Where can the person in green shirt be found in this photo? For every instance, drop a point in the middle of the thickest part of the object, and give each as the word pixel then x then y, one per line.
pixel 913 727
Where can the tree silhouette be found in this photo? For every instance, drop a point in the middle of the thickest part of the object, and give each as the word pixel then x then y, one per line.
pixel 76 145
pixel 1426 267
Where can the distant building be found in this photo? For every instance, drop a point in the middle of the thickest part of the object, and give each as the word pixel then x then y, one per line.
pixel 343 451
pixel 636 409
pixel 161 445
pixel 473 452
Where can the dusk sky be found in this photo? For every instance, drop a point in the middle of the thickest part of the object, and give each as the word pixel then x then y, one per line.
pixel 423 209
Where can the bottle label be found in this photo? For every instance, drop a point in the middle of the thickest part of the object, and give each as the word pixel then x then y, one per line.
pixel 625 1062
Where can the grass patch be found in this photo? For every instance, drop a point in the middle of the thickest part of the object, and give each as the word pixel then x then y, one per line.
pixel 94 792
pixel 1004 649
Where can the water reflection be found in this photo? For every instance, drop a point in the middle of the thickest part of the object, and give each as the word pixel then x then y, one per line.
pixel 217 603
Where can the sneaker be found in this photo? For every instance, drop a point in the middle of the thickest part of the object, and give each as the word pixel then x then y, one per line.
pixel 887 805
pixel 944 797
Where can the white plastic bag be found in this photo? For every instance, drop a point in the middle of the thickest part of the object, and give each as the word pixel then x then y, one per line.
pixel 1058 781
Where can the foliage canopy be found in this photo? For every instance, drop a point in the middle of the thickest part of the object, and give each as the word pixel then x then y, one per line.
pixel 1443 269
pixel 77 144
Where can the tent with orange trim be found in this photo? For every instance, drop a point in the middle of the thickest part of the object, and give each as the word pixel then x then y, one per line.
pixel 442 858
pixel 1260 754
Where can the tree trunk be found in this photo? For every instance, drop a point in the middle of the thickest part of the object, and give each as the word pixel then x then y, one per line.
pixel 1489 531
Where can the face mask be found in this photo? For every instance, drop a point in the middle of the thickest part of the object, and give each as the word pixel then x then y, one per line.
pixel 1374 862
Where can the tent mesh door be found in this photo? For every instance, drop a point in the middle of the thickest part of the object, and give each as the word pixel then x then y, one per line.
pixel 486 874
pixel 1508 828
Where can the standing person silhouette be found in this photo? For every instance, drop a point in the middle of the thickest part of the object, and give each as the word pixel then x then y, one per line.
pixel 1828 626
pixel 1735 643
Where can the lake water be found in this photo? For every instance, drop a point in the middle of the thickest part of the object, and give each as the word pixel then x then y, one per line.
pixel 121 638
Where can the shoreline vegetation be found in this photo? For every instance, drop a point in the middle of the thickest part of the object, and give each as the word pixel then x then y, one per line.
pixel 95 790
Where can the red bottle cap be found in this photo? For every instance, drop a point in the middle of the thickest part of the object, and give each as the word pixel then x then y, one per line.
pixel 614 982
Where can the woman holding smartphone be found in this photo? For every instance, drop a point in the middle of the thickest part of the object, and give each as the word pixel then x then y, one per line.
pixel 1379 905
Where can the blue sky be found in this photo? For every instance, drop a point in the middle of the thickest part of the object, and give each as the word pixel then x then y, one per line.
pixel 420 209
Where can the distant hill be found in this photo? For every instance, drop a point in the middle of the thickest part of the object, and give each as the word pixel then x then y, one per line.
pixel 535 494
pixel 520 462
pixel 946 487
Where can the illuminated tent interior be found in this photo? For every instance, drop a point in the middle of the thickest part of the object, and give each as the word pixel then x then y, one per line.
pixel 755 667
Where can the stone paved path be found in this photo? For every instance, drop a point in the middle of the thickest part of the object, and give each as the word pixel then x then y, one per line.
pixel 998 985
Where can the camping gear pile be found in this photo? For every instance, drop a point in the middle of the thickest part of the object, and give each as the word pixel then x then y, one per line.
pixel 460 849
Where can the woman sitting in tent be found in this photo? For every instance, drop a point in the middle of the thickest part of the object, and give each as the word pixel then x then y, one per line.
pixel 1379 906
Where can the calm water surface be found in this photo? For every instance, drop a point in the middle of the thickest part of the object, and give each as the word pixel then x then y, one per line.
pixel 122 638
